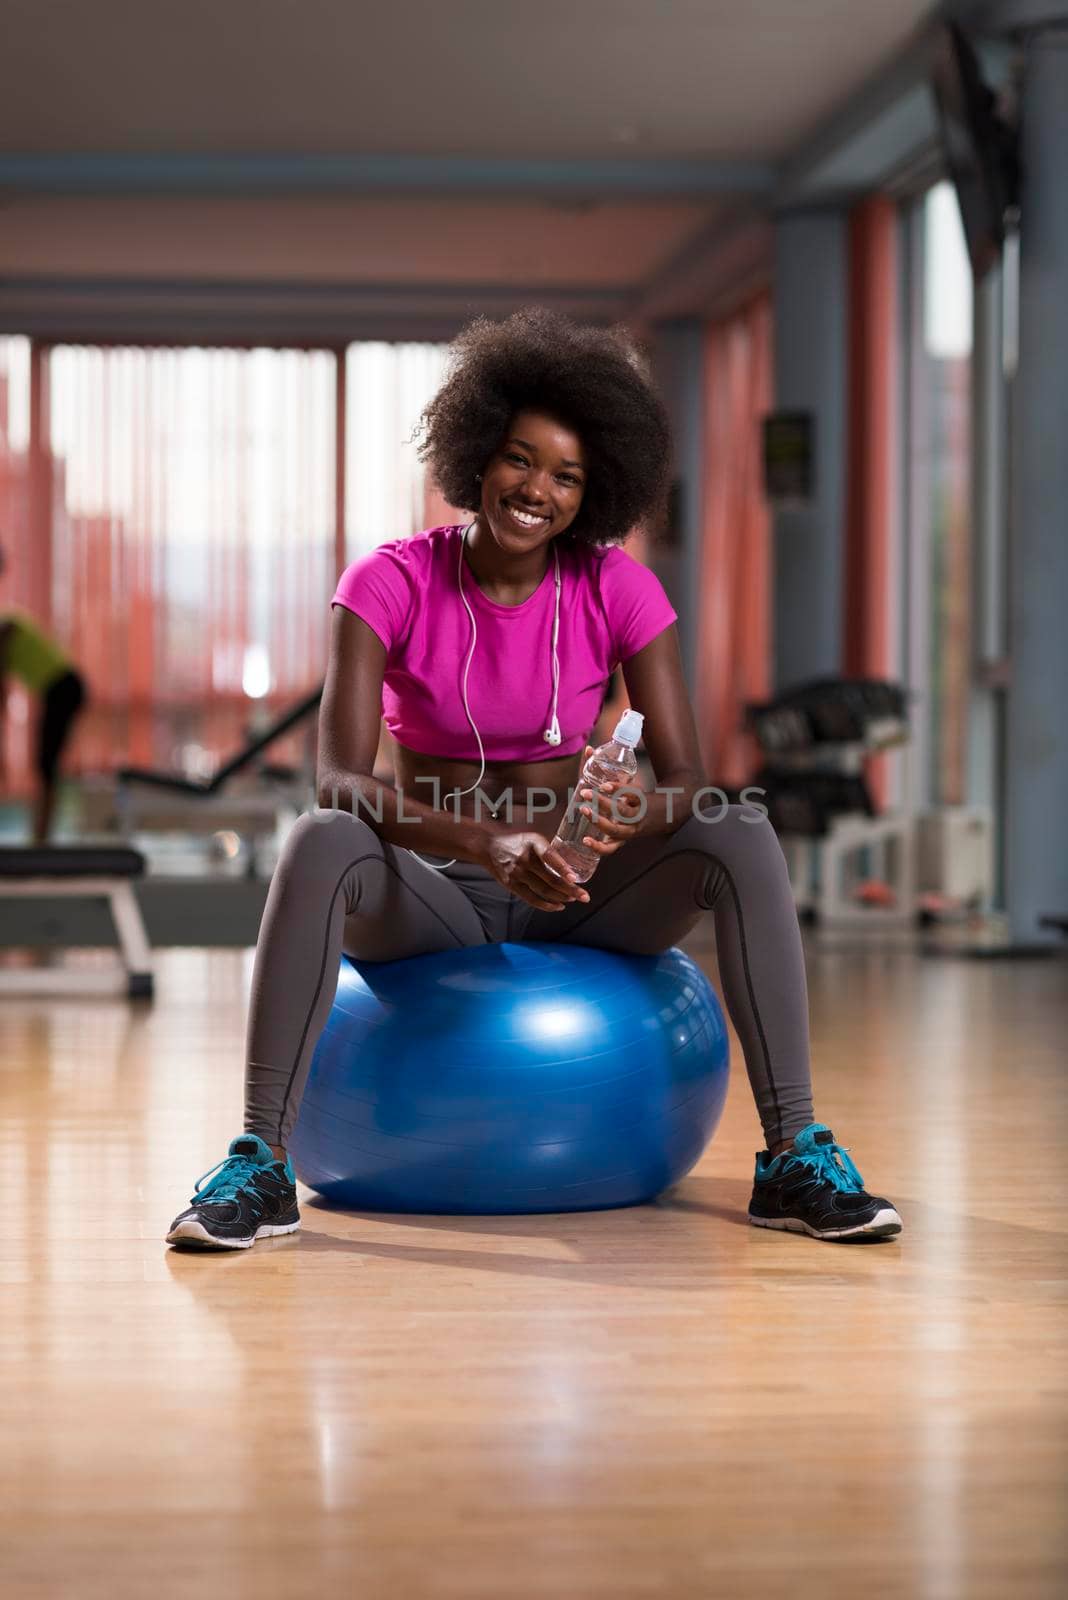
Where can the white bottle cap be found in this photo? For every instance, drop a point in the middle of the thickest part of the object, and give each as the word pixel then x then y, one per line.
pixel 629 728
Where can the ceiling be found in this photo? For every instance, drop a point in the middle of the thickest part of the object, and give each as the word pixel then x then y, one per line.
pixel 565 78
pixel 575 148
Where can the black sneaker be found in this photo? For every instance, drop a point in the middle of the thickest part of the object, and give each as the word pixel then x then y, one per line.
pixel 248 1196
pixel 814 1188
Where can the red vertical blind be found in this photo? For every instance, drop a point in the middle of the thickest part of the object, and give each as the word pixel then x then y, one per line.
pixel 872 392
pixel 14 459
pixel 192 541
pixel 177 517
pixel 16 516
pixel 733 640
pixel 873 343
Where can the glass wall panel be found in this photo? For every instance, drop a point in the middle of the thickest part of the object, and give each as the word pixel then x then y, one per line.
pixel 192 541
pixel 387 494
pixel 939 499
pixel 190 497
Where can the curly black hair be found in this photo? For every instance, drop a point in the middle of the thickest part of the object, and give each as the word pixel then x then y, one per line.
pixel 593 380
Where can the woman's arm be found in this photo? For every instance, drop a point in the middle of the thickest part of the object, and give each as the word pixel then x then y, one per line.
pixel 350 719
pixel 657 688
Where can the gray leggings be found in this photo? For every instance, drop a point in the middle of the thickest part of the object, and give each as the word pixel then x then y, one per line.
pixel 339 887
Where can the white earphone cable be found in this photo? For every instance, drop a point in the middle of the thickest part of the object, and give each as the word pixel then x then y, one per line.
pixel 434 865
pixel 552 734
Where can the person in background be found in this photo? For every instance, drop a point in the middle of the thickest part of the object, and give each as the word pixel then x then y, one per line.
pixel 30 655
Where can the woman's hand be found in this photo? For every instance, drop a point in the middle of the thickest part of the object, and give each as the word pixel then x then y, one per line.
pixel 616 810
pixel 525 865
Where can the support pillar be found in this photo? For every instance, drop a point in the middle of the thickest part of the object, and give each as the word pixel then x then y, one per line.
pixel 1037 777
pixel 677 358
pixel 811 304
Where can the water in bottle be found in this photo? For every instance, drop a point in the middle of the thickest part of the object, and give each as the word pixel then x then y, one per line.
pixel 613 762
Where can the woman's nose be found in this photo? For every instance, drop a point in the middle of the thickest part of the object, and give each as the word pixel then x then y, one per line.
pixel 535 486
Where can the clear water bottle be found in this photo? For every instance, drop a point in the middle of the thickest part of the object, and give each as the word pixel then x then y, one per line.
pixel 609 763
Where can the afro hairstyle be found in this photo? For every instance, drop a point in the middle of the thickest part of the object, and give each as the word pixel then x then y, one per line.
pixel 593 380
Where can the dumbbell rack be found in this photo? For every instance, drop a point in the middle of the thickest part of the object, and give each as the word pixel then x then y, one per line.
pixel 824 852
pixel 825 871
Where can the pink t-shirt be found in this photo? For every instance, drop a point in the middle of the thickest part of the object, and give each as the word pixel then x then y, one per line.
pixel 406 590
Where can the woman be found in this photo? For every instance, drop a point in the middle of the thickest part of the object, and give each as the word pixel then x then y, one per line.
pixel 487 647
pixel 33 657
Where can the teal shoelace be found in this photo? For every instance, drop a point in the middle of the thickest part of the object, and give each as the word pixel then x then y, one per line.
pixel 231 1175
pixel 832 1164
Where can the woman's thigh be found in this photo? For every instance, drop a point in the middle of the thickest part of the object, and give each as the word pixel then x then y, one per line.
pixel 643 899
pixel 62 703
pixel 650 894
pixel 404 908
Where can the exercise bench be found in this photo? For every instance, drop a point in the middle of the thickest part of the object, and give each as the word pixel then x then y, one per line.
pixel 98 872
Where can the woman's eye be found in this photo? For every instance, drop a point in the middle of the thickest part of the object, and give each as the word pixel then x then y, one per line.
pixel 564 477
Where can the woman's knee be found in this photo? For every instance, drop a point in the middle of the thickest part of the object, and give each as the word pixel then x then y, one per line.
pixel 327 840
pixel 733 834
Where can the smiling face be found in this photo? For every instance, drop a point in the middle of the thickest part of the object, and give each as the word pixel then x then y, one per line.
pixel 533 484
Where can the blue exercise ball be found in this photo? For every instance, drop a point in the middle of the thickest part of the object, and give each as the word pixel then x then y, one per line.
pixel 506 1078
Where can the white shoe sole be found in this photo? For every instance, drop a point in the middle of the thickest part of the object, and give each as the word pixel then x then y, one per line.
pixel 194 1233
pixel 884 1225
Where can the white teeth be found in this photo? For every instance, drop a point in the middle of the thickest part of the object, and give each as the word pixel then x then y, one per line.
pixel 525 518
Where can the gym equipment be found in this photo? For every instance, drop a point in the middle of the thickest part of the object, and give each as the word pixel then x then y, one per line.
pixel 832 711
pixel 816 738
pixel 512 1078
pixel 62 871
pixel 175 784
pixel 143 799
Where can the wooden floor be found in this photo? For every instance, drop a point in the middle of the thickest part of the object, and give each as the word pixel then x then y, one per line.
pixel 661 1401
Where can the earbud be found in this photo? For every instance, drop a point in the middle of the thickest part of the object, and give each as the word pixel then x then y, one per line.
pixel 551 737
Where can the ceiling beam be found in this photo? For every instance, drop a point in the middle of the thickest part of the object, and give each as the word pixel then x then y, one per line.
pixel 130 310
pixel 886 123
pixel 87 173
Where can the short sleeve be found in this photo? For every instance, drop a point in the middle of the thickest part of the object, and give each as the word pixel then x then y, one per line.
pixel 634 603
pixel 378 587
